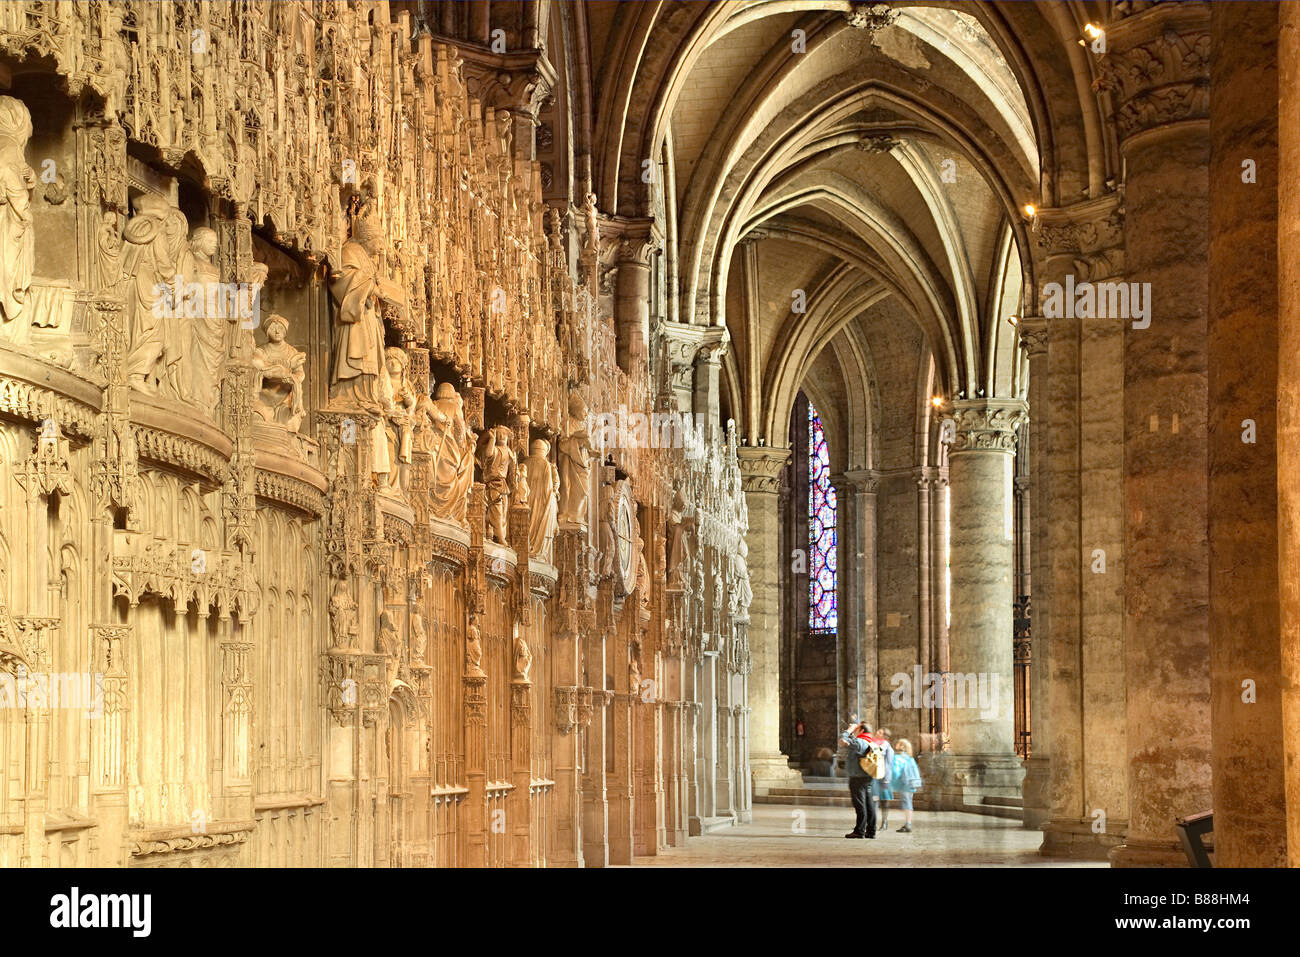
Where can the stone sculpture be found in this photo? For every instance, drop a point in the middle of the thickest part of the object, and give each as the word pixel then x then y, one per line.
pixel 358 373
pixel 473 650
pixel 451 444
pixel 523 659
pixel 208 329
pixel 17 236
pixel 497 462
pixel 280 370
pixel 343 616
pixel 575 465
pixel 543 484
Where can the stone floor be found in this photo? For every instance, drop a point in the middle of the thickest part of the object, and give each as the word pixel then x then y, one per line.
pixel 788 836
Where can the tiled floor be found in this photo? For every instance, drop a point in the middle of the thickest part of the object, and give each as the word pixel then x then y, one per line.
pixel 787 836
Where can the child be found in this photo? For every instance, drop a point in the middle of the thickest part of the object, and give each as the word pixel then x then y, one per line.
pixel 880 789
pixel 906 780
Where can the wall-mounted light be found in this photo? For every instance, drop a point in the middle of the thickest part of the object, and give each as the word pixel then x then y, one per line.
pixel 1031 210
pixel 1092 30
pixel 1014 320
pixel 936 401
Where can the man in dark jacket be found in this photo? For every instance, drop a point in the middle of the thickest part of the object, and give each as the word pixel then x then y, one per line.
pixel 856 737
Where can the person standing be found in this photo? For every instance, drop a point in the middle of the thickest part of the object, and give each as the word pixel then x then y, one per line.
pixel 857 738
pixel 906 780
pixel 880 790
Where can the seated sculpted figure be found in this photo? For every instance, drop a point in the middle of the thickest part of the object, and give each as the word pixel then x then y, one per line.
pixel 277 384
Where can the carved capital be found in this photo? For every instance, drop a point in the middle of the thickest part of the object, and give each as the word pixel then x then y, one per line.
pixel 1085 238
pixel 864 481
pixel 1033 335
pixel 760 467
pixel 686 342
pixel 987 425
pixel 1157 66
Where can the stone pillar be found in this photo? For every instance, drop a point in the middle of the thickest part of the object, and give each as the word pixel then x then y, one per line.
pixel 1037 785
pixel 1077 411
pixel 1288 399
pixel 760 470
pixel 937 726
pixel 980 709
pixel 1249 772
pixel 1157 70
pixel 861 538
pixel 636 245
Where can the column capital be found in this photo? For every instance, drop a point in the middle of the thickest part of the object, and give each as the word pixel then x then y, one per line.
pixel 987 425
pixel 629 239
pixel 1085 238
pixel 760 467
pixel 686 342
pixel 1033 332
pixel 1157 66
pixel 863 481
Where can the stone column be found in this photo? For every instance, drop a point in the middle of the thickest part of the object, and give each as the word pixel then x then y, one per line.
pixel 939 602
pixel 1077 409
pixel 1037 784
pixel 760 470
pixel 865 483
pixel 1157 71
pixel 637 243
pixel 1249 767
pixel 980 709
pixel 1288 399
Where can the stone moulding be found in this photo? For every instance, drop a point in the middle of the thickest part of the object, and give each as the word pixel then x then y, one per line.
pixel 34 391
pixel 542 578
pixel 500 562
pixel 185 443
pixel 399 520
pixel 181 839
pixel 288 481
pixel 449 543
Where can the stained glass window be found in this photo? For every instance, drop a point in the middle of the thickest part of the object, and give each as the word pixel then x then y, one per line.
pixel 821 531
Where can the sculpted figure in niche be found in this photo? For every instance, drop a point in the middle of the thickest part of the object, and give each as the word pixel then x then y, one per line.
pixel 523 659
pixel 401 416
pixel 497 461
pixel 277 382
pixel 343 616
pixel 575 465
pixel 452 446
pixel 358 375
pixel 473 650
pixel 543 483
pixel 208 330
pixel 642 581
pixel 157 260
pixel 608 530
pixel 108 252
pixel 17 239
pixel 418 638
pixel 676 543
pixel 390 644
